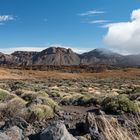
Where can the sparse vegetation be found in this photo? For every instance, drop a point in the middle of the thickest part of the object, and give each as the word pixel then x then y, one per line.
pixel 112 130
pixel 79 100
pixel 41 101
pixel 40 112
pixel 13 108
pixel 119 104
pixel 5 95
pixel 50 102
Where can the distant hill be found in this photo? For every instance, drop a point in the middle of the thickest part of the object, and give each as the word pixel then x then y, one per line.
pixel 61 56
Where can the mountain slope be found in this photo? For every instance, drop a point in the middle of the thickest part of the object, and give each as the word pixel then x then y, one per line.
pixel 23 57
pixel 131 60
pixel 100 56
pixel 6 59
pixel 56 56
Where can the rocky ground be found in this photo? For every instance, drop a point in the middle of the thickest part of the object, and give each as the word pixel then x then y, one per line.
pixel 70 109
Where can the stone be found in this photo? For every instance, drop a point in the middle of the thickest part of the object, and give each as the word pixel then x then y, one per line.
pixel 91 127
pixel 3 136
pixel 26 138
pixel 56 131
pixel 14 133
pixel 20 122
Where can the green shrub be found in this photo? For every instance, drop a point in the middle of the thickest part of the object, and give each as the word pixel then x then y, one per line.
pixel 136 89
pixel 40 112
pixel 13 107
pixel 119 104
pixel 31 95
pixel 80 100
pixel 48 101
pixel 71 99
pixel 5 95
pixel 18 85
pixel 54 94
pixel 86 101
pixel 42 94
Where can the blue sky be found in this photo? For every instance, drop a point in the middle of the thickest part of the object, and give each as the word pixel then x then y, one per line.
pixel 72 23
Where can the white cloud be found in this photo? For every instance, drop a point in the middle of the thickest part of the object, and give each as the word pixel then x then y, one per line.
pixel 38 49
pixel 91 13
pixel 78 50
pixel 82 50
pixel 135 14
pixel 4 18
pixel 98 21
pixel 11 50
pixel 124 37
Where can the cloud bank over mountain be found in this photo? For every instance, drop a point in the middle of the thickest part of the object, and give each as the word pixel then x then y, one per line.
pixel 124 37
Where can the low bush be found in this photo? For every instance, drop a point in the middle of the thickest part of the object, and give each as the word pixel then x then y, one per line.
pixel 5 95
pixel 30 95
pixel 79 100
pixel 119 104
pixel 18 85
pixel 54 94
pixel 48 101
pixel 13 108
pixel 40 112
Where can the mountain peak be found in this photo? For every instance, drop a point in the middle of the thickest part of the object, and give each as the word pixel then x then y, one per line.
pixel 103 51
pixel 55 50
pixel 65 56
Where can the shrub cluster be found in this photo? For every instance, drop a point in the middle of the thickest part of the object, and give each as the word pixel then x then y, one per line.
pixel 119 104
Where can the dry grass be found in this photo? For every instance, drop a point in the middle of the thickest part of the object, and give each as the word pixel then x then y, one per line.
pixel 112 130
pixel 40 112
pixel 30 74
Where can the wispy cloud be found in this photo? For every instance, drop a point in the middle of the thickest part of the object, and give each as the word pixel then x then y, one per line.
pixel 4 18
pixel 91 13
pixel 11 50
pixel 75 49
pixel 38 49
pixel 98 21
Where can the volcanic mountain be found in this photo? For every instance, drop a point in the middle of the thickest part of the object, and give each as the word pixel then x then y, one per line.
pixel 100 56
pixel 56 56
pixel 23 57
pixel 61 56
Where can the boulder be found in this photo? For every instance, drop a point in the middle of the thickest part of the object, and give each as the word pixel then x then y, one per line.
pixel 13 133
pixel 3 136
pixel 91 127
pixel 56 131
pixel 19 122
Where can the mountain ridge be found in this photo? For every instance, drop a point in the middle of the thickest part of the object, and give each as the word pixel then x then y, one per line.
pixel 66 56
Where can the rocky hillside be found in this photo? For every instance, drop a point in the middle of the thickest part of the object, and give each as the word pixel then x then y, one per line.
pixel 23 57
pixel 56 56
pixel 61 56
pixel 101 56
pixel 6 59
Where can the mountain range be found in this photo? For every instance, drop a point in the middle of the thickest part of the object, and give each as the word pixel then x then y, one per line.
pixel 61 56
